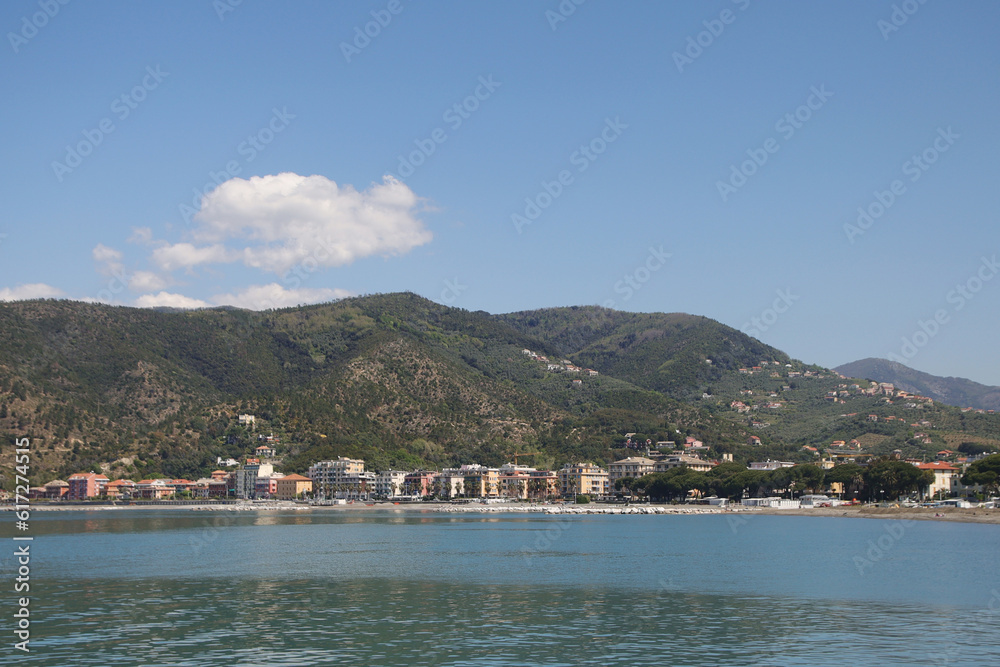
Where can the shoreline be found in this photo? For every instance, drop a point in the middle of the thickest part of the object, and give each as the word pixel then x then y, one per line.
pixel 967 515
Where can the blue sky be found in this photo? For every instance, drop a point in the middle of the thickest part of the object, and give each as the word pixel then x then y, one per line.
pixel 707 157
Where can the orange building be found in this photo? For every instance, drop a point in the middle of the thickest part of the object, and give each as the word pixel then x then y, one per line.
pixel 291 486
pixel 85 485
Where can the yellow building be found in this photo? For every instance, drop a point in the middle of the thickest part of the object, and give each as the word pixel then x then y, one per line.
pixel 291 486
pixel 583 478
pixel 480 482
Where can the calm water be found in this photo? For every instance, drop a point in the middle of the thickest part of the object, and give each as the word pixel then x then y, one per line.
pixel 164 587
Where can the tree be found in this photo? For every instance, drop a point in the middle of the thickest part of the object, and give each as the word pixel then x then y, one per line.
pixel 851 475
pixel 971 448
pixel 892 479
pixel 986 472
pixel 809 477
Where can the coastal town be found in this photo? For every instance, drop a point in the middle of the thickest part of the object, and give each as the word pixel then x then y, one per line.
pixel 344 479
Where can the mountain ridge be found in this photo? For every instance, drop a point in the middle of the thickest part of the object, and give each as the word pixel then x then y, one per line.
pixel 957 391
pixel 403 382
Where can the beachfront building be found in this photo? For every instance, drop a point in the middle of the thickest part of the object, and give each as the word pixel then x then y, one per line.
pixel 246 478
pixel 450 482
pixel 945 477
pixel 480 482
pixel 57 489
pixel 120 488
pixel 293 486
pixel 583 478
pixel 419 483
pixel 633 466
pixel 153 489
pixel 342 478
pixel 543 484
pixel 84 485
pixel 267 485
pixel 678 460
pixel 389 483
pixel 514 481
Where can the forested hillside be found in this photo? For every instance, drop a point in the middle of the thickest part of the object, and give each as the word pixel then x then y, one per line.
pixel 399 381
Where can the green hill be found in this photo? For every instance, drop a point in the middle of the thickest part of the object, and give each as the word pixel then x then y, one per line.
pixel 403 382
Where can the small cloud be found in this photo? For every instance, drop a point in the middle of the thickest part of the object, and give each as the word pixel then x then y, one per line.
pixel 103 253
pixel 109 260
pixel 141 236
pixel 30 291
pixel 187 255
pixel 273 295
pixel 168 300
pixel 146 281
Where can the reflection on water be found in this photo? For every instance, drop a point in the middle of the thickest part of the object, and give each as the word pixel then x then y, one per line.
pixel 332 588
pixel 399 622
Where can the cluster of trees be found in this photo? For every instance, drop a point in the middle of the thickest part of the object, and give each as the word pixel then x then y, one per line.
pixel 883 479
pixel 985 471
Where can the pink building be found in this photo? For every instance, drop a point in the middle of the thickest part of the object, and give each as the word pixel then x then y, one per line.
pixel 85 485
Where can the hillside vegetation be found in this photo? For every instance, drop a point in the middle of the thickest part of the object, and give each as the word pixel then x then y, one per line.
pixel 401 382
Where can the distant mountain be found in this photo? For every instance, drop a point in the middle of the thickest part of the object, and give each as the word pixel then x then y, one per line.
pixel 951 390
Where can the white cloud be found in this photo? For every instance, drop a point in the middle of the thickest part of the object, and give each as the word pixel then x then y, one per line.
pixel 273 295
pixel 168 300
pixel 30 291
pixel 281 220
pixel 254 297
pixel 103 253
pixel 109 260
pixel 141 235
pixel 186 255
pixel 146 281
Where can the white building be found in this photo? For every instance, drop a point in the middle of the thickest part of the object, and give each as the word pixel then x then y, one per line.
pixel 343 478
pixel 246 478
pixel 778 503
pixel 770 465
pixel 389 483
pixel 633 466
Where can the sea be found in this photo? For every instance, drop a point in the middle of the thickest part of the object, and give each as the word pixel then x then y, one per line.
pixel 405 587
